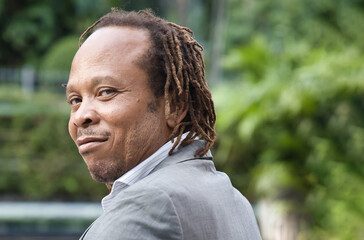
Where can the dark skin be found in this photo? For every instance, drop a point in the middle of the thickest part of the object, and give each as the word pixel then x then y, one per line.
pixel 116 121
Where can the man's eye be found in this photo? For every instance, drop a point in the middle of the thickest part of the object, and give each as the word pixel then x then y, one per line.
pixel 74 101
pixel 106 92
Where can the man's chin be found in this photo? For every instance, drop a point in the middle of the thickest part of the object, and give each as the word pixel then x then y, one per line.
pixel 106 177
pixel 102 179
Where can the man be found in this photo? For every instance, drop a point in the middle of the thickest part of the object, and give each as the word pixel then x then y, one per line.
pixel 143 120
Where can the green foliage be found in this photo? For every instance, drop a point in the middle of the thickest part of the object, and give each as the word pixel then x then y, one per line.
pixel 60 56
pixel 299 135
pixel 29 29
pixel 290 122
pixel 254 58
pixel 326 23
pixel 29 26
pixel 39 161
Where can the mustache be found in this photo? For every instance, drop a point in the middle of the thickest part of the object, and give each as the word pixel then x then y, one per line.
pixel 91 132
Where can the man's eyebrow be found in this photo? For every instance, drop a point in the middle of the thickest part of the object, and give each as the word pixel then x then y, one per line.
pixel 94 82
pixel 69 88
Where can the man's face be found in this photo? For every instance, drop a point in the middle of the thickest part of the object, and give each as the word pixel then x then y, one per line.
pixel 116 121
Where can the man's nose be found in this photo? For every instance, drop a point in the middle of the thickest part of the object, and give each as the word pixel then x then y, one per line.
pixel 86 115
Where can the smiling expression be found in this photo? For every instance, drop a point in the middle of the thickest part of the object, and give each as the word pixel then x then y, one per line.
pixel 116 121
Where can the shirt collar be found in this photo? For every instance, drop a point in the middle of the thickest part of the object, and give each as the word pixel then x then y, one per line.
pixel 138 172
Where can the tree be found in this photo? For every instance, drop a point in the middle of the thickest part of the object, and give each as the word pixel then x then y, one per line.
pixel 290 122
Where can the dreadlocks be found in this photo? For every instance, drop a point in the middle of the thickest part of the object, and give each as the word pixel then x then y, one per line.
pixel 176 70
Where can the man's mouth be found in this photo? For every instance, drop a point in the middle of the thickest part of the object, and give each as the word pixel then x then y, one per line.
pixel 86 144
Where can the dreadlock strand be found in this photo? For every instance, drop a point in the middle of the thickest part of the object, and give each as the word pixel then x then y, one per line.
pixel 189 139
pixel 88 30
pixel 167 84
pixel 171 69
pixel 182 128
pixel 181 28
pixel 179 57
pixel 187 91
pixel 172 63
pixel 198 127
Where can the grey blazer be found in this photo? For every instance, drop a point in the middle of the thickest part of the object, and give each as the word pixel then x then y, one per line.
pixel 183 198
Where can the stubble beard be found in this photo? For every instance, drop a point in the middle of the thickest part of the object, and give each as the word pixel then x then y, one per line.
pixel 107 173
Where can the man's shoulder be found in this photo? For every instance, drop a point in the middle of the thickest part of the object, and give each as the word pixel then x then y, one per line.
pixel 190 182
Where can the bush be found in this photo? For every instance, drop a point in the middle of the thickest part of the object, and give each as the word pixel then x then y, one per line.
pixel 297 137
pixel 39 159
pixel 60 56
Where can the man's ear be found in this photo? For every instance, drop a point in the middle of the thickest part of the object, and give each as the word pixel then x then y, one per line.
pixel 175 113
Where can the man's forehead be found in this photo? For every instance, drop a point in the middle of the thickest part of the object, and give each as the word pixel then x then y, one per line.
pixel 108 46
pixel 112 45
pixel 118 40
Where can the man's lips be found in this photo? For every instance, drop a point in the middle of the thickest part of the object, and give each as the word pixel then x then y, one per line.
pixel 86 144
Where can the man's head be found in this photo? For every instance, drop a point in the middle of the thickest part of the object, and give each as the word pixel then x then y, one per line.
pixel 136 83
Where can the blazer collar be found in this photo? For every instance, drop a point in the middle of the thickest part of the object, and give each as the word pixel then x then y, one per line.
pixel 184 154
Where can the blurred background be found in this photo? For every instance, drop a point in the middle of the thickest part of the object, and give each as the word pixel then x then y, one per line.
pixel 287 78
